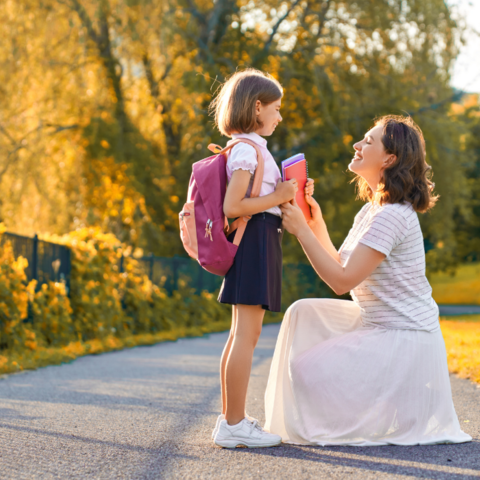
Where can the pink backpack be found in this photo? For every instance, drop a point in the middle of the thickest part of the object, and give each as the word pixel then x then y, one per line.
pixel 203 225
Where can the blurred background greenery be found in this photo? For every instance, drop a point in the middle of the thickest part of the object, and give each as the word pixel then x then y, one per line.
pixel 103 108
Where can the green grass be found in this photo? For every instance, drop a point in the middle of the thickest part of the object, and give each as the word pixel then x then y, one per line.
pixel 463 288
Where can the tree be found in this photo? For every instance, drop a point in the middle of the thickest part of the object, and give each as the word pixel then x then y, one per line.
pixel 467 221
pixel 103 115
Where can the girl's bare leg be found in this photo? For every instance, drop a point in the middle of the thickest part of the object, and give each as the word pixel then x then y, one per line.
pixel 239 362
pixel 223 361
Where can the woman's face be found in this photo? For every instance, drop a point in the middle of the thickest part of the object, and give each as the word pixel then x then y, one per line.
pixel 370 157
pixel 269 116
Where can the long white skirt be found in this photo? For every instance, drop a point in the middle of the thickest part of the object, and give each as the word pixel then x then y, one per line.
pixel 336 382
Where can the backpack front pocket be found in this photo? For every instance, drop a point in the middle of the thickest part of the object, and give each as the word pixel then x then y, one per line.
pixel 188 232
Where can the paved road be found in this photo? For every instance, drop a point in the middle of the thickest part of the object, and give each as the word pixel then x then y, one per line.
pixel 148 413
pixel 459 309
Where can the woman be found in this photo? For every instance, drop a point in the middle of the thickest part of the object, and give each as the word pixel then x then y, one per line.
pixel 372 371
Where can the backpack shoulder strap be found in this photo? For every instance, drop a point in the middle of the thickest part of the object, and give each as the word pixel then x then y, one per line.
pixel 258 176
pixel 240 224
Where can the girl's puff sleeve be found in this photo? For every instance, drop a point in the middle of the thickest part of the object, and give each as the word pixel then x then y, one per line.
pixel 242 157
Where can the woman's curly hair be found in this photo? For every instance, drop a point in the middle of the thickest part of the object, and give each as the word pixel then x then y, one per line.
pixel 408 177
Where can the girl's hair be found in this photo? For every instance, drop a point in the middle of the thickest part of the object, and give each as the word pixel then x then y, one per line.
pixel 408 177
pixel 234 106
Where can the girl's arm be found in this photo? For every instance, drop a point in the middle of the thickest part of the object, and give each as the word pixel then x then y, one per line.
pixel 362 262
pixel 236 205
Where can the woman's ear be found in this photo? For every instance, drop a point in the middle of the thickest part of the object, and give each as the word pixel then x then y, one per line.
pixel 390 160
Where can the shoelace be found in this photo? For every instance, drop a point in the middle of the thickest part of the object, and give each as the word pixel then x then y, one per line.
pixel 255 426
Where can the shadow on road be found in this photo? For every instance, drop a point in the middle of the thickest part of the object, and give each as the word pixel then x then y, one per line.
pixel 462 460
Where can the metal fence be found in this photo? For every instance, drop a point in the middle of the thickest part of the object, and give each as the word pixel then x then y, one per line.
pixel 51 262
pixel 299 279
pixel 175 272
pixel 46 261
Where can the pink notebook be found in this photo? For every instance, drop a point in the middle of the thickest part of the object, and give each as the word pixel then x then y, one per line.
pixel 297 167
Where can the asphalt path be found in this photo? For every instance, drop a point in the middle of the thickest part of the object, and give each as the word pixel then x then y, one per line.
pixel 148 413
pixel 459 309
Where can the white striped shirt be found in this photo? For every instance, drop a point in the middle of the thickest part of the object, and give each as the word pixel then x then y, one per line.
pixel 397 294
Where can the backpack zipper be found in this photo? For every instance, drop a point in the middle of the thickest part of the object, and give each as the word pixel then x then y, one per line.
pixel 208 229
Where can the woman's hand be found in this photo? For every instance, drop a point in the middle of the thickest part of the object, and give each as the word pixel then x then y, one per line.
pixel 314 206
pixel 293 218
pixel 317 217
pixel 286 191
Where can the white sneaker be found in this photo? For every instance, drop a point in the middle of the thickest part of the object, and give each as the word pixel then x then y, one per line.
pixel 222 417
pixel 215 430
pixel 246 433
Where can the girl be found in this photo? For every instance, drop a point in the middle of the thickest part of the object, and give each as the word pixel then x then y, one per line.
pixel 372 371
pixel 248 106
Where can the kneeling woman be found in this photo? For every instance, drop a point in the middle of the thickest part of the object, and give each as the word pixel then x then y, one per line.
pixel 372 371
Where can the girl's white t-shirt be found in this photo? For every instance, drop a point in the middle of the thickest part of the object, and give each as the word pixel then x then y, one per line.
pixel 397 294
pixel 244 157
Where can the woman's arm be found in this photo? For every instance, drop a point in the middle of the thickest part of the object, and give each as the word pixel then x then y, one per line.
pixel 236 205
pixel 362 262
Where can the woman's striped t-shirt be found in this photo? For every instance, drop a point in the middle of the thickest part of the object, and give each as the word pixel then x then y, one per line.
pixel 397 294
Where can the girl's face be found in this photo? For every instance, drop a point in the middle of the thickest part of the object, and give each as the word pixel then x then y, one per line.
pixel 269 115
pixel 370 157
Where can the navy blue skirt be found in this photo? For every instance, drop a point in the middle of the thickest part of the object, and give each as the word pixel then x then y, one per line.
pixel 255 277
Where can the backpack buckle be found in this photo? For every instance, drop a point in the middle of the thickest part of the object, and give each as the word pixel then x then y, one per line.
pixel 214 148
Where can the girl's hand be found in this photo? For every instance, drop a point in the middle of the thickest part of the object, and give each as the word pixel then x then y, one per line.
pixel 293 218
pixel 285 191
pixel 309 187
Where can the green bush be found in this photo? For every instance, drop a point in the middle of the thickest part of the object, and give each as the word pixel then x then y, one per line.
pixel 105 309
pixel 51 315
pixel 147 307
pixel 95 283
pixel 14 297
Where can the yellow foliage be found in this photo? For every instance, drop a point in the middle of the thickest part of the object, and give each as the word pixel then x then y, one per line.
pixel 74 349
pixel 95 282
pixel 51 315
pixel 462 341
pixel 104 310
pixel 31 345
pixel 14 298
pixel 457 108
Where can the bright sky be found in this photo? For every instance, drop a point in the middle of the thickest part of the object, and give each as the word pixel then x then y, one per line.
pixel 466 72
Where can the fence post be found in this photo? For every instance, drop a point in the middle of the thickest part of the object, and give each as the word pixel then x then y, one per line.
pixel 150 273
pixel 35 258
pixel 68 269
